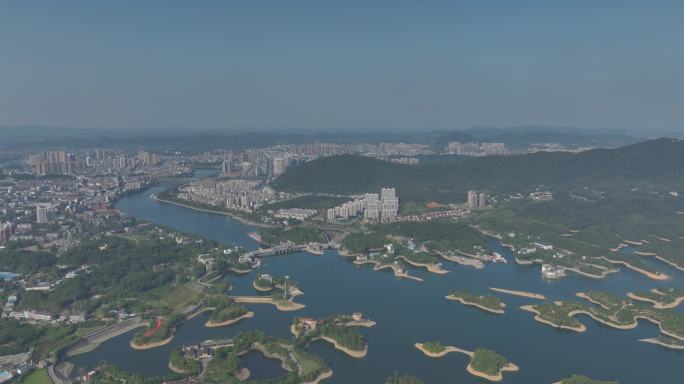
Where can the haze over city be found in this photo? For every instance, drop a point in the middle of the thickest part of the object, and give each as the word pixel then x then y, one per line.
pixel 331 65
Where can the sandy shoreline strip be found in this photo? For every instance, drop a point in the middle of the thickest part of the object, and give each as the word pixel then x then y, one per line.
pixel 156 344
pixel 482 307
pixel 529 295
pixel 211 324
pixel 291 306
pixel 655 341
pixel 350 352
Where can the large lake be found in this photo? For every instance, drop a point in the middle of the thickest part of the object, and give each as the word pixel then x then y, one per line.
pixel 408 311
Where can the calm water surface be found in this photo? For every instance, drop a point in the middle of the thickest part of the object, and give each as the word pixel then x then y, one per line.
pixel 407 311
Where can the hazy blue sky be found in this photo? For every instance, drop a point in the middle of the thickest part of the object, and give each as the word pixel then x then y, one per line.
pixel 342 63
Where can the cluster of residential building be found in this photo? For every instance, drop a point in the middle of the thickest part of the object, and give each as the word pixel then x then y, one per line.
pixel 301 214
pixel 372 207
pixel 476 200
pixel 239 194
pixel 477 149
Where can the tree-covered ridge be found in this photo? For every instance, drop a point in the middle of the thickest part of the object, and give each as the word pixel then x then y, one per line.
pixel 655 163
pixel 437 234
pixel 364 242
pixel 295 234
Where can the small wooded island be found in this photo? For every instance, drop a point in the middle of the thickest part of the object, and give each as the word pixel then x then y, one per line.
pixel 338 330
pixel 484 363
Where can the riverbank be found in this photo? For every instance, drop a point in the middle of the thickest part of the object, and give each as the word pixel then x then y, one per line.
pixel 211 324
pixel 473 304
pixel 224 213
pixel 89 343
pixel 529 295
